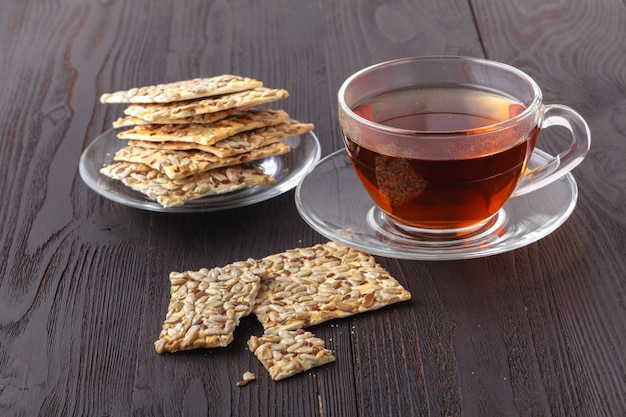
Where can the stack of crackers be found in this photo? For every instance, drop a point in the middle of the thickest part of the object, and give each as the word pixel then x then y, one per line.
pixel 193 138
pixel 287 292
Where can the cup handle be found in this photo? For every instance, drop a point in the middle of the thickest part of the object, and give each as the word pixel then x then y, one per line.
pixel 555 168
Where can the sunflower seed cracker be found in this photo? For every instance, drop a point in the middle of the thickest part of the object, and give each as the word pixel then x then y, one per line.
pixel 308 286
pixel 248 98
pixel 170 193
pixel 237 144
pixel 128 121
pixel 206 305
pixel 183 90
pixel 180 164
pixel 206 134
pixel 285 353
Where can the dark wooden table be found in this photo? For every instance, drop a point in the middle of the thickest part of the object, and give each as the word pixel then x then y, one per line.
pixel 539 331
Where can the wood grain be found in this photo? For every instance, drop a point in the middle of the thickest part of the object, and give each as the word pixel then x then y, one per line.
pixel 84 286
pixel 576 55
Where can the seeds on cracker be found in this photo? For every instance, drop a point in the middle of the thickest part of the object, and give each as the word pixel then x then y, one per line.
pixel 206 305
pixel 246 141
pixel 206 134
pixel 180 164
pixel 128 121
pixel 287 291
pixel 174 110
pixel 183 90
pixel 308 286
pixel 213 119
pixel 285 353
pixel 237 144
pixel 170 193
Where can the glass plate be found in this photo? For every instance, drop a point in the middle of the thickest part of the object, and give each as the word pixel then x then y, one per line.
pixel 288 169
pixel 350 217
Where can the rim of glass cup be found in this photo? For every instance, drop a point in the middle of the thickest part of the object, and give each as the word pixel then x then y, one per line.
pixel 532 107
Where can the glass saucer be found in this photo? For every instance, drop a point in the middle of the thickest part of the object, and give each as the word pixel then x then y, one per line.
pixel 287 169
pixel 350 217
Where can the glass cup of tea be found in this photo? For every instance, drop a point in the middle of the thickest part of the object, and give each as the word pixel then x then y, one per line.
pixel 441 143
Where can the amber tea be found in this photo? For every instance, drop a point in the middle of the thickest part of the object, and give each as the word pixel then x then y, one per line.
pixel 441 143
pixel 441 188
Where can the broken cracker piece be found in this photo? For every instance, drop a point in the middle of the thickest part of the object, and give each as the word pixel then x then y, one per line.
pixel 285 353
pixel 308 286
pixel 205 306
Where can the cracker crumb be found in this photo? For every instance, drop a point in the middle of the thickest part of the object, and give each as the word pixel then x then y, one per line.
pixel 246 379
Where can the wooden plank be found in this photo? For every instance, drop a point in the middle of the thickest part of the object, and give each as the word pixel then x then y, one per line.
pixel 61 295
pixel 576 54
